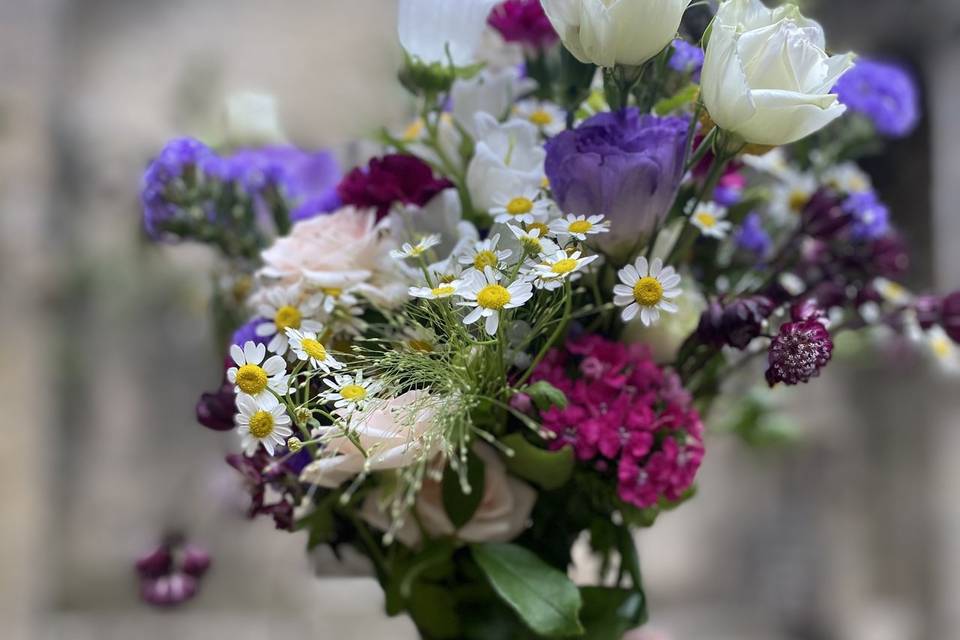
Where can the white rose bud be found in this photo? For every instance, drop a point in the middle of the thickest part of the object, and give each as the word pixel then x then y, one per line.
pixel 427 28
pixel 766 76
pixel 611 32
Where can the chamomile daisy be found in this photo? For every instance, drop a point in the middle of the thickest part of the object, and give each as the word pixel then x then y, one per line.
pixel 350 393
pixel 415 250
pixel 287 308
pixel 442 290
pixel 261 421
pixel 793 194
pixel 534 240
pixel 710 218
pixel 579 227
pixel 557 267
pixel 489 298
pixel 524 207
pixel 546 116
pixel 646 289
pixel 847 178
pixel 308 347
pixel 253 376
pixel 485 254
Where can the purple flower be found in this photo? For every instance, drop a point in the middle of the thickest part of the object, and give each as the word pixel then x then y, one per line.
pixel 871 218
pixel 686 58
pixel 176 163
pixel 622 165
pixel 885 93
pixel 950 315
pixel 170 574
pixel 799 351
pixel 523 22
pixel 752 237
pixel 735 324
pixel 394 178
pixel 304 178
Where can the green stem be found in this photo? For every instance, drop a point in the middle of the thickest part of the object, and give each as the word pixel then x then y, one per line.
pixel 567 307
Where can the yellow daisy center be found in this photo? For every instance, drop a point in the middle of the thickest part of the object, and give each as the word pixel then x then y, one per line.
pixel 648 291
pixel 519 206
pixel 707 219
pixel 261 424
pixel 531 244
pixel 941 348
pixel 287 318
pixel 441 292
pixel 314 349
pixel 543 228
pixel 561 267
pixel 545 183
pixel 413 130
pixel 541 118
pixel 580 226
pixel 353 392
pixel 252 379
pixel 333 292
pixel 798 200
pixel 493 296
pixel 484 259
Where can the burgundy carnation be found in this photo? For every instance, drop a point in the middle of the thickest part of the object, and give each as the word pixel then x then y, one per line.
pixel 394 178
pixel 950 315
pixel 523 22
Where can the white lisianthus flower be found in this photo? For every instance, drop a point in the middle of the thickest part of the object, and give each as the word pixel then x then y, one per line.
pixel 492 92
pixel 767 77
pixel 508 159
pixel 611 32
pixel 429 29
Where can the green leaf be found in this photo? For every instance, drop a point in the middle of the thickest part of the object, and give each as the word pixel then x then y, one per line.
pixel 546 469
pixel 319 522
pixel 687 95
pixel 461 506
pixel 546 396
pixel 608 613
pixel 546 599
pixel 433 609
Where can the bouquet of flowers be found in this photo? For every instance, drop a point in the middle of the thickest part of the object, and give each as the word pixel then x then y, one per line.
pixel 506 332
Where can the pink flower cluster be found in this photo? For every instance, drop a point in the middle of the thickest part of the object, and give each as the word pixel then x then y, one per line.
pixel 625 413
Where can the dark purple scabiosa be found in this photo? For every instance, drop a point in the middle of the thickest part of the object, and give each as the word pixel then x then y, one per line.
pixel 801 348
pixel 392 179
pixel 170 573
pixel 523 22
pixel 824 215
pixel 928 310
pixel 622 165
pixel 886 94
pixel 736 323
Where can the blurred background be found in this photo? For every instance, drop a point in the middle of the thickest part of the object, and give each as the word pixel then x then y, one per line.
pixel 852 533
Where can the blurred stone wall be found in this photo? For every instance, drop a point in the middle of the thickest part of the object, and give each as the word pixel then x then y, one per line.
pixel 853 535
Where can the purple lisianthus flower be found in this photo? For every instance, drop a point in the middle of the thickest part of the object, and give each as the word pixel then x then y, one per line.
pixel 624 166
pixel 871 218
pixel 178 159
pixel 686 58
pixel 887 94
pixel 752 237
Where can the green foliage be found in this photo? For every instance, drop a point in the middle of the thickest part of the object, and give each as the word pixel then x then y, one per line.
pixel 609 612
pixel 546 469
pixel 545 598
pixel 683 98
pixel 546 396
pixel 463 492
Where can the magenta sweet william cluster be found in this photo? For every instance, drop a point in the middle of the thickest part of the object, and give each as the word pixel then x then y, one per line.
pixel 624 414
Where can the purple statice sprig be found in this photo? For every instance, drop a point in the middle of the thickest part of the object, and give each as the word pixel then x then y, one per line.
pixel 886 94
pixel 687 59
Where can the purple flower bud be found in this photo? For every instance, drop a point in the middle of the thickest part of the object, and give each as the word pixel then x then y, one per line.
pixel 215 410
pixel 950 316
pixel 168 591
pixel 806 310
pixel 196 561
pixel 735 324
pixel 798 352
pixel 824 216
pixel 156 562
pixel 888 257
pixel 928 310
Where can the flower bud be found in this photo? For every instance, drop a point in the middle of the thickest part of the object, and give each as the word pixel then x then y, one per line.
pixel 195 561
pixel 735 324
pixel 824 216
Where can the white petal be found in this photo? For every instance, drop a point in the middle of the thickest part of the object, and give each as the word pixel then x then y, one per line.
pixel 622 290
pixel 473 316
pixel 274 365
pixel 642 267
pixel 656 267
pixel 237 354
pixel 630 312
pixel 492 324
pixel 266 329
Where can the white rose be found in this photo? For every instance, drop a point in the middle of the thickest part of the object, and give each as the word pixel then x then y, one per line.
pixel 393 434
pixel 766 76
pixel 502 515
pixel 428 28
pixel 611 32
pixel 508 160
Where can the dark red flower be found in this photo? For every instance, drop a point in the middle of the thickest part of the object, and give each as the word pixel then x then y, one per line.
pixel 950 316
pixel 798 352
pixel 523 22
pixel 394 178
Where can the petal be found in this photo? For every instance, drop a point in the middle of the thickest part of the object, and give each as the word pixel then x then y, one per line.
pixel 622 290
pixel 630 312
pixel 247 404
pixel 492 324
pixel 237 354
pixel 669 307
pixel 266 329
pixel 473 316
pixel 274 365
pixel 642 267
